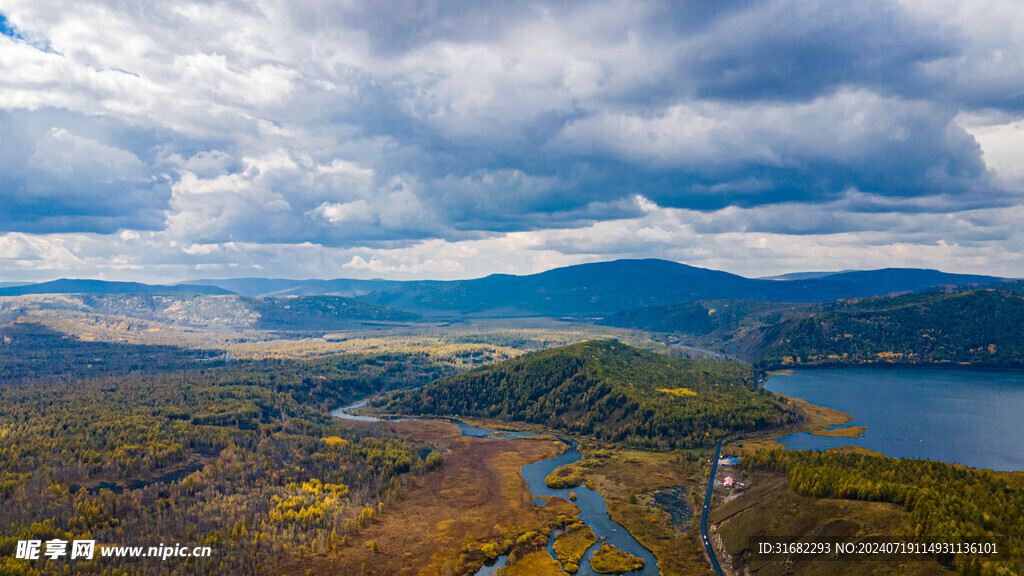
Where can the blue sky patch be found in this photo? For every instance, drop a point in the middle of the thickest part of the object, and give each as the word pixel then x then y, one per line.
pixel 7 29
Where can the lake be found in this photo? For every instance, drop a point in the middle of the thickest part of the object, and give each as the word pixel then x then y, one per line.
pixel 965 416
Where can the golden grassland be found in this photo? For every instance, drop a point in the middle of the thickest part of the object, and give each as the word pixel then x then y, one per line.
pixel 446 518
pixel 627 479
pixel 816 419
pixel 358 342
pixel 503 338
pixel 611 560
pixel 855 450
pixel 845 432
pixel 572 544
pixel 535 563
pixel 466 343
pixel 567 476
pixel 770 512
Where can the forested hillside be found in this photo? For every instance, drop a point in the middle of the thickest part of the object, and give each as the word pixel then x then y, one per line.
pixel 977 327
pixel 721 318
pixel 611 391
pixel 947 504
pixel 602 288
pixel 299 313
pixel 65 286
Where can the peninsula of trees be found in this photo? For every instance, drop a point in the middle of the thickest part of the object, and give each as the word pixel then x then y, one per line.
pixel 611 391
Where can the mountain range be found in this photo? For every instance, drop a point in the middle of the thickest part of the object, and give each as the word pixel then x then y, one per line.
pixel 66 286
pixel 585 290
pixel 276 287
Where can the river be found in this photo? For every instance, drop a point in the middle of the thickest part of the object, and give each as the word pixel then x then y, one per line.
pixel 593 510
pixel 969 417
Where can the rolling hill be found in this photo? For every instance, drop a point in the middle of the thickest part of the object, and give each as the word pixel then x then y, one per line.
pixel 718 319
pixel 66 286
pixel 978 327
pixel 603 288
pixel 299 313
pixel 583 291
pixel 611 391
pixel 268 287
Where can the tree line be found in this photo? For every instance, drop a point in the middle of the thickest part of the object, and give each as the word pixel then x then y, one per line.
pixel 945 502
pixel 976 327
pixel 243 457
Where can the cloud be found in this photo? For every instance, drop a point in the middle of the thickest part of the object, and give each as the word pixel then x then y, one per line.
pixel 372 130
pixel 58 181
pixel 720 154
pixel 355 211
pixel 1002 141
pixel 789 50
pixel 427 268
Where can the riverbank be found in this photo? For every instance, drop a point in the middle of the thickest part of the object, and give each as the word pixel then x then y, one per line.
pixel 445 517
pixel 630 480
pixel 818 420
pixel 846 432
pixel 626 505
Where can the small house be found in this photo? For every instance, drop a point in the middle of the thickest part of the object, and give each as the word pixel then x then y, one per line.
pixel 728 482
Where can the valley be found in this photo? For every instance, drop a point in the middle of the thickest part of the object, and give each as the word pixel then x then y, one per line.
pixel 171 415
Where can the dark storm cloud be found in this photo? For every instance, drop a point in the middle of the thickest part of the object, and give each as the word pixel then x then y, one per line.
pixel 794 50
pixel 382 124
pixel 762 65
pixel 61 174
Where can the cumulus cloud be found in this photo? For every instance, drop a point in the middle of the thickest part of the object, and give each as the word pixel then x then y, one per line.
pixel 58 181
pixel 374 131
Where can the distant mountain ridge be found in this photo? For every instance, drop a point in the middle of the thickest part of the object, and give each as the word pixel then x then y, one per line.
pixel 582 291
pixel 271 287
pixel 214 312
pixel 600 289
pixel 802 275
pixel 981 327
pixel 68 286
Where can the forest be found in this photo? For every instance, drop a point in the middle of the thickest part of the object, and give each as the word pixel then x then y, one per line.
pixel 240 456
pixel 982 328
pixel 707 317
pixel 33 350
pixel 608 390
pixel 946 502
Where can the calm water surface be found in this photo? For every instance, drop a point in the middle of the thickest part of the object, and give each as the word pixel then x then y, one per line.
pixel 964 416
pixel 593 511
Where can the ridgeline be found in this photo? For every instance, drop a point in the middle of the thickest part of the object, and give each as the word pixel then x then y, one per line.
pixel 983 328
pixel 611 391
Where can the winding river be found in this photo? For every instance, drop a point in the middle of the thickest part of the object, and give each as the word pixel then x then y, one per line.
pixel 593 510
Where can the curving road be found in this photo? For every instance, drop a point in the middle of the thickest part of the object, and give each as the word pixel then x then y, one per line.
pixel 707 509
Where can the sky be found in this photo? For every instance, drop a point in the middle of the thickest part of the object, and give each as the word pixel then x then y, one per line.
pixel 162 141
